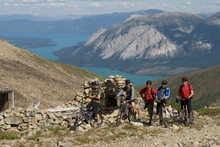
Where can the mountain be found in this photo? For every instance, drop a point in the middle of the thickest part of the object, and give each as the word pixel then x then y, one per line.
pixel 204 82
pixel 22 17
pixel 204 15
pixel 72 17
pixel 34 78
pixel 86 25
pixel 168 43
pixel 214 19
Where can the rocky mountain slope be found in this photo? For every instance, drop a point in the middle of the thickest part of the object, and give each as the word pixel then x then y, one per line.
pixel 214 19
pixel 205 83
pixel 38 79
pixel 155 44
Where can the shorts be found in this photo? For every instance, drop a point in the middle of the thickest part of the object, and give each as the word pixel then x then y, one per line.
pixel 159 107
pixel 150 107
pixel 94 105
pixel 188 103
pixel 131 100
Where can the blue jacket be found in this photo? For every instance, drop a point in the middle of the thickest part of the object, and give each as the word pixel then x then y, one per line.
pixel 161 93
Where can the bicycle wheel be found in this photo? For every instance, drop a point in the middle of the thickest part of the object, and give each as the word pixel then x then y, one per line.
pixel 119 116
pixel 185 117
pixel 165 117
pixel 175 115
pixel 75 126
pixel 130 114
pixel 93 120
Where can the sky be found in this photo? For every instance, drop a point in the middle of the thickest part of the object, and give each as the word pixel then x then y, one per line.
pixel 95 7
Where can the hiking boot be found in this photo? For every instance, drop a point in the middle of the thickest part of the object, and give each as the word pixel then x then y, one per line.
pixel 139 120
pixel 160 123
pixel 98 126
pixel 149 124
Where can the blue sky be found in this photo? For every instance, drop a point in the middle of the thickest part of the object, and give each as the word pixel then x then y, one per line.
pixel 94 7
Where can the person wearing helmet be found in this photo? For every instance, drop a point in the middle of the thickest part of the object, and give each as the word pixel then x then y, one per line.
pixel 163 93
pixel 94 95
pixel 130 92
pixel 148 103
pixel 186 93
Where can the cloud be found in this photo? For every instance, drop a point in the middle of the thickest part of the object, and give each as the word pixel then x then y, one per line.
pixel 94 5
pixel 165 5
pixel 126 5
pixel 53 4
pixel 72 6
pixel 107 0
pixel 53 1
pixel 11 1
pixel 29 1
pixel 188 3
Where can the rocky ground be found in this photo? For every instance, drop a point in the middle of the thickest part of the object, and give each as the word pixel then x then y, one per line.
pixel 203 132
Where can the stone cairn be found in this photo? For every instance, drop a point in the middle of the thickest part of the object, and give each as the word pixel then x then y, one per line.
pixel 112 84
pixel 30 119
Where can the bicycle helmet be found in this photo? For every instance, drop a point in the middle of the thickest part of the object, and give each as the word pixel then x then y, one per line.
pixel 184 79
pixel 164 82
pixel 96 82
pixel 127 82
pixel 149 82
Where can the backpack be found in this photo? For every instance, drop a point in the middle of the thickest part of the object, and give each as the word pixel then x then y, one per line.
pixel 126 89
pixel 165 91
pixel 97 92
pixel 150 92
pixel 189 89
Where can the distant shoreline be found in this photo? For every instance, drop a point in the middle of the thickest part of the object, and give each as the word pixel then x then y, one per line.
pixel 29 42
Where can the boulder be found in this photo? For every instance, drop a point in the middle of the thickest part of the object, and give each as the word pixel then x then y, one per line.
pixel 2 122
pixel 51 115
pixel 175 127
pixel 38 117
pixel 28 119
pixel 13 120
pixel 196 114
pixel 138 124
pixel 58 114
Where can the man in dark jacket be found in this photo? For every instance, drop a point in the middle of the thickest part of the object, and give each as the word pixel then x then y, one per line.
pixel 130 92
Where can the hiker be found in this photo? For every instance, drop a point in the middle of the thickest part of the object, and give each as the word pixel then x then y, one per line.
pixel 163 93
pixel 130 92
pixel 95 95
pixel 148 103
pixel 186 93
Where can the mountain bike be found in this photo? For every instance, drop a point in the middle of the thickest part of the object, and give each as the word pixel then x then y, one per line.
pixel 169 114
pixel 86 116
pixel 125 111
pixel 185 116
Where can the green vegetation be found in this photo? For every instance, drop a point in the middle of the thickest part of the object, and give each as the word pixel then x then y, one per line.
pixel 209 112
pixel 204 82
pixel 37 135
pixel 129 127
pixel 9 135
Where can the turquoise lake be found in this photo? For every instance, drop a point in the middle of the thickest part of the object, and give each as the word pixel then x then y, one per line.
pixel 66 40
pixel 62 40
pixel 135 79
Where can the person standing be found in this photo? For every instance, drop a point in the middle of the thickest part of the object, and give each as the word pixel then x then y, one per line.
pixel 163 93
pixel 186 93
pixel 95 95
pixel 130 92
pixel 148 103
